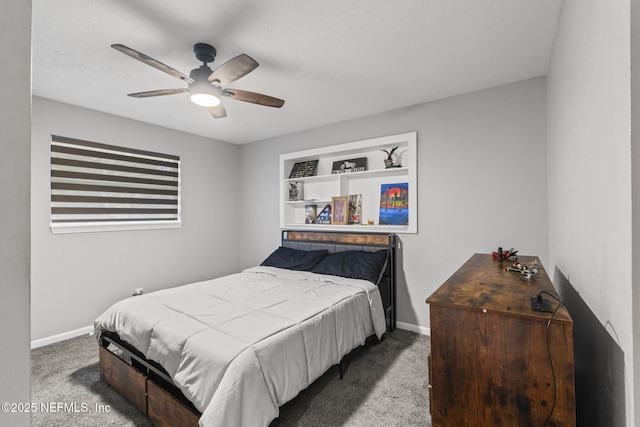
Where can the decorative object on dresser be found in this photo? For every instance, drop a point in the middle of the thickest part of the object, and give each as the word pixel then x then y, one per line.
pixel 339 210
pixel 494 360
pixel 296 191
pixel 351 165
pixel 394 204
pixel 304 169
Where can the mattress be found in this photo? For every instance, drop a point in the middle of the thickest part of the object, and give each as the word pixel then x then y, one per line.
pixel 242 345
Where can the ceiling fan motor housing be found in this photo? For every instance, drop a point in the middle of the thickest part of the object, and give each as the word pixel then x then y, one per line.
pixel 201 73
pixel 204 52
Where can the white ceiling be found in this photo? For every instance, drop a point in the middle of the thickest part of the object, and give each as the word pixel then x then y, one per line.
pixel 330 60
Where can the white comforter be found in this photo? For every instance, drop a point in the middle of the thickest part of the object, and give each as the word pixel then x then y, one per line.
pixel 242 345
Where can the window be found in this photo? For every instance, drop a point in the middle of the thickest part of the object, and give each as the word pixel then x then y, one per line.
pixel 100 187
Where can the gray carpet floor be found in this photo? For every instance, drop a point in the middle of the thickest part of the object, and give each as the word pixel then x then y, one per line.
pixel 384 385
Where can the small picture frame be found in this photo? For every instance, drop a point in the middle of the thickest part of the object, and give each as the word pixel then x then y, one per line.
pixel 296 191
pixel 324 217
pixel 355 209
pixel 339 210
pixel 310 214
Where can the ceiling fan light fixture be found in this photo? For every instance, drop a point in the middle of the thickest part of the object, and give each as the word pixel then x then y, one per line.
pixel 205 99
pixel 204 94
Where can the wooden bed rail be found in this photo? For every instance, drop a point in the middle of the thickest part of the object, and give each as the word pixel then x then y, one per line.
pixel 148 388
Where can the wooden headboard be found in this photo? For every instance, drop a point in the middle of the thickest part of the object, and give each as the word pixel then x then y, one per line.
pixel 334 241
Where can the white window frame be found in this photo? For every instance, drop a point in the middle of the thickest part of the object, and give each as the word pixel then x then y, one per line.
pixel 102 187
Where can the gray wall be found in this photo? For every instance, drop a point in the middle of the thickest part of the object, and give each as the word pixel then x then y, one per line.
pixel 589 146
pixel 635 185
pixel 15 115
pixel 481 177
pixel 77 276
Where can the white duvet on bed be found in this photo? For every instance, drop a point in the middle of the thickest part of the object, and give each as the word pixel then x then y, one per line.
pixel 242 345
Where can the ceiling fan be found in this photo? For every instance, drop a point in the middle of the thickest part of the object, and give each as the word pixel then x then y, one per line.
pixel 207 86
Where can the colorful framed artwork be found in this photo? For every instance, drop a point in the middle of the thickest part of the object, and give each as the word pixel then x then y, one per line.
pixel 394 204
pixel 339 210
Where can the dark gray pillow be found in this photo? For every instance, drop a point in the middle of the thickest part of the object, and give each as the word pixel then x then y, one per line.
pixel 354 264
pixel 294 259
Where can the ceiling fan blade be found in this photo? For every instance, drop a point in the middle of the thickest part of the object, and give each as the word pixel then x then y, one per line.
pixel 218 111
pixel 233 69
pixel 253 97
pixel 158 93
pixel 150 61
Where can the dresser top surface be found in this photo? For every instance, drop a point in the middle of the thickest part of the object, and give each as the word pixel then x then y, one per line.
pixel 483 283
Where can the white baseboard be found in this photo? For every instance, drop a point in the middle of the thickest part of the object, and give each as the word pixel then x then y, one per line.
pixel 61 337
pixel 414 328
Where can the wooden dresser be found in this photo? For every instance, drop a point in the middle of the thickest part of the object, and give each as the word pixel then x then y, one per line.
pixel 489 363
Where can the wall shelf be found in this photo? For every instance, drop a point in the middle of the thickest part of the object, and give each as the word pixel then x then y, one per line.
pixel 320 188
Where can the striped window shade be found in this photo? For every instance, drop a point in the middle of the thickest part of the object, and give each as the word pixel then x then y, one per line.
pixel 100 187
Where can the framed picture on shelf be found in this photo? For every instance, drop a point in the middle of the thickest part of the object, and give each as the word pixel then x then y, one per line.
pixel 339 210
pixel 324 217
pixel 355 209
pixel 304 169
pixel 310 213
pixel 394 204
pixel 350 165
pixel 296 191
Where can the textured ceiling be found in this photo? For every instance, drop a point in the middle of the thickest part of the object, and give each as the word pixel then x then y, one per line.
pixel 331 61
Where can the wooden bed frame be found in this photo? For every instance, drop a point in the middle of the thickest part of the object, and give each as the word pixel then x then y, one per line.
pixel 148 386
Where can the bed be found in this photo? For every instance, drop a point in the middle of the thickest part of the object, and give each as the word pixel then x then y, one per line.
pixel 232 350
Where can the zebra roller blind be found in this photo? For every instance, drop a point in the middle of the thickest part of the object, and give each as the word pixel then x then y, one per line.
pixel 97 187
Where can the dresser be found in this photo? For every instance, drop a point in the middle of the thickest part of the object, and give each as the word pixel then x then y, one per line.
pixel 494 361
